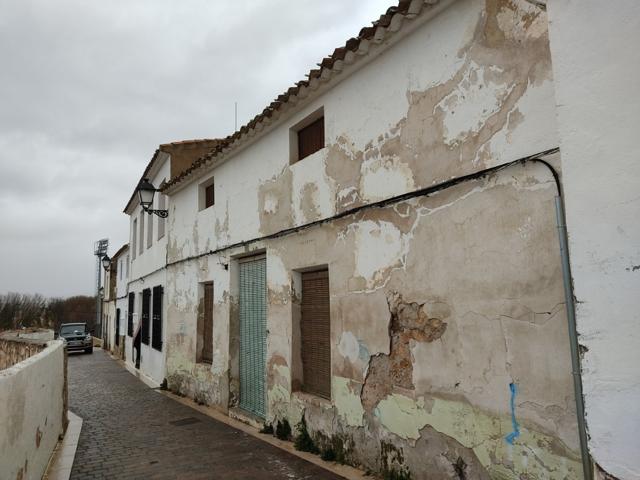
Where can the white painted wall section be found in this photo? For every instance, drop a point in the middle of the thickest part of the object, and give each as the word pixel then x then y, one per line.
pixel 31 412
pixel 596 62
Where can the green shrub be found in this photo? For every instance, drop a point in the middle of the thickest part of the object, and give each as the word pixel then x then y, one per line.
pixel 283 430
pixel 303 441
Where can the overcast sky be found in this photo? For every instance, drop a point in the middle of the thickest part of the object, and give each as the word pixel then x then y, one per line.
pixel 89 89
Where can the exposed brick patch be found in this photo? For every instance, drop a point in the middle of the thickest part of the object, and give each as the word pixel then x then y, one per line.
pixel 409 321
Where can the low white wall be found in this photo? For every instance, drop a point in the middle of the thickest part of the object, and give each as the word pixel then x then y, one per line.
pixel 32 409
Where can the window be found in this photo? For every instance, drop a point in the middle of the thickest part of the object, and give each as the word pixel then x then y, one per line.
pixel 146 305
pixel 150 232
pixel 311 138
pixel 209 196
pixel 162 205
pixel 204 343
pixel 141 233
pixel 132 299
pixel 134 238
pixel 206 194
pixel 156 327
pixel 315 346
pixel 307 136
pixel 120 269
pixel 117 326
pixel 127 275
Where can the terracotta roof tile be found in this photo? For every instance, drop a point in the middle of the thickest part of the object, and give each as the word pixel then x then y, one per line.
pixel 155 154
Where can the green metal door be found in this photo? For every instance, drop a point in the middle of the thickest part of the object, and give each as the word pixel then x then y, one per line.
pixel 253 334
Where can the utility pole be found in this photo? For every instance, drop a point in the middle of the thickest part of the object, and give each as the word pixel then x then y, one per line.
pixel 99 250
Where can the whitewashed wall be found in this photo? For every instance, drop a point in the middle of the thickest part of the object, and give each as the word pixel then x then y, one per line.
pixel 31 412
pixel 122 288
pixel 147 271
pixel 596 62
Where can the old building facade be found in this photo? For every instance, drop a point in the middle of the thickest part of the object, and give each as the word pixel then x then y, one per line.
pixel 380 260
pixel 146 307
pixel 119 276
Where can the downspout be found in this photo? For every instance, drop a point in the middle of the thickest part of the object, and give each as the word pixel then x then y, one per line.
pixel 573 334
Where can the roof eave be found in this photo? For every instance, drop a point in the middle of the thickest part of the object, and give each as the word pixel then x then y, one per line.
pixel 384 34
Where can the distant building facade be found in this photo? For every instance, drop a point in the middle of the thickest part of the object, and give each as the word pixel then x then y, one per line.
pixel 145 301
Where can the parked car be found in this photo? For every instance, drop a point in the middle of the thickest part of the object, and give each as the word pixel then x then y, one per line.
pixel 76 337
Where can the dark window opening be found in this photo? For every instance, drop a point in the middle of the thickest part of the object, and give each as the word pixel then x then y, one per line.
pixel 205 327
pixel 315 332
pixel 117 327
pixel 311 138
pixel 156 328
pixel 209 196
pixel 146 305
pixel 132 299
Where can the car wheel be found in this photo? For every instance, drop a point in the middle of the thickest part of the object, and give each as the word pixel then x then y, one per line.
pixel 88 350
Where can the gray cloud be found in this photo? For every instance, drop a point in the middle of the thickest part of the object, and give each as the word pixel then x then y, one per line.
pixel 89 89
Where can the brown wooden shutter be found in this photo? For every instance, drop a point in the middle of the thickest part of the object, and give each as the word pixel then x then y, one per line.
pixel 207 330
pixel 315 333
pixel 209 196
pixel 311 138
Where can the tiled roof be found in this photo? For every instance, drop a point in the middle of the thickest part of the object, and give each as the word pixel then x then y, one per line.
pixel 382 29
pixel 155 155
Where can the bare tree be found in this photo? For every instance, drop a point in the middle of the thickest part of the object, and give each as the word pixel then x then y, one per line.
pixel 33 310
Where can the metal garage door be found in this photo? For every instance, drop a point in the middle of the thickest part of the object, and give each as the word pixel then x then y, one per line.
pixel 253 334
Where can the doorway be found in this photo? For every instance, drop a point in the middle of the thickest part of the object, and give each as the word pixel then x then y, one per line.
pixel 253 333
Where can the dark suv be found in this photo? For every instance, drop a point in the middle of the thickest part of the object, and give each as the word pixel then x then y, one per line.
pixel 76 337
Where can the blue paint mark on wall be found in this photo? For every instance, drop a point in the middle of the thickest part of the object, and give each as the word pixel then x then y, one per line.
pixel 516 428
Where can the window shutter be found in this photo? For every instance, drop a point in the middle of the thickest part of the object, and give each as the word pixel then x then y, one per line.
pixel 311 138
pixel 207 334
pixel 209 196
pixel 144 328
pixel 117 326
pixel 156 330
pixel 132 300
pixel 315 333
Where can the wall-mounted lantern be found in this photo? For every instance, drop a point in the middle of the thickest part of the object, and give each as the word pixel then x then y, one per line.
pixel 146 191
pixel 106 262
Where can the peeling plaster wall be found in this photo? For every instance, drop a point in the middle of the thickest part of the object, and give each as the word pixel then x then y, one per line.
pixel 470 89
pixel 450 350
pixel 598 110
pixel 426 352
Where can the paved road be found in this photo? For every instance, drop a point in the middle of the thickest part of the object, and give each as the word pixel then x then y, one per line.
pixel 128 433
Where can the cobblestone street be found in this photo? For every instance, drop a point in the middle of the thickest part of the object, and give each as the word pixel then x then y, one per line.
pixel 132 431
